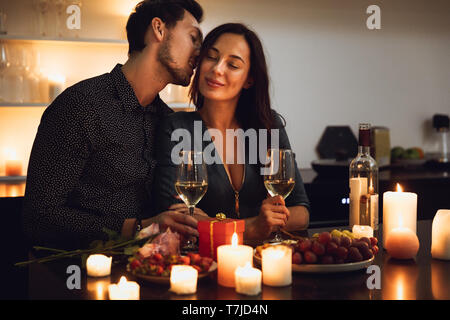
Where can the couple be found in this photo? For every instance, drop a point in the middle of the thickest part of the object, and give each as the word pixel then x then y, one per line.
pixel 101 157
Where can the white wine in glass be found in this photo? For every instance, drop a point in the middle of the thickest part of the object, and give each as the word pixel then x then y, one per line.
pixel 280 187
pixel 191 192
pixel 191 184
pixel 279 179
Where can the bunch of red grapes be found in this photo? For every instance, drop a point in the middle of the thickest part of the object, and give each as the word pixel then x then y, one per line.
pixel 327 249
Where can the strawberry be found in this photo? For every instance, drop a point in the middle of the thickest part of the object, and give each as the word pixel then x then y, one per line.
pixel 159 270
pixel 135 264
pixel 195 258
pixel 158 257
pixel 198 268
pixel 184 260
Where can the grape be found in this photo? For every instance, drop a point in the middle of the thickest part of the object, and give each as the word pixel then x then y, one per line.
pixel 336 240
pixel 366 240
pixel 331 248
pixel 310 257
pixel 297 258
pixel 360 245
pixel 339 261
pixel 324 237
pixel 318 248
pixel 305 245
pixel 373 241
pixel 342 253
pixel 375 249
pixel 327 259
pixel 345 241
pixel 354 255
pixel 336 233
pixel 366 253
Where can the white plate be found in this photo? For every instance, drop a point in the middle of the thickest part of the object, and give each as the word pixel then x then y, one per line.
pixel 325 268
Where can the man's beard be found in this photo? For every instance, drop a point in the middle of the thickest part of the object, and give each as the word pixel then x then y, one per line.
pixel 179 75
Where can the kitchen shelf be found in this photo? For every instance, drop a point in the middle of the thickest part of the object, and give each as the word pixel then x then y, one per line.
pixel 13 179
pixel 25 104
pixel 39 39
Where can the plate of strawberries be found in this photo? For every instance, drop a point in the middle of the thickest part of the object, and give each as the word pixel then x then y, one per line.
pixel 156 267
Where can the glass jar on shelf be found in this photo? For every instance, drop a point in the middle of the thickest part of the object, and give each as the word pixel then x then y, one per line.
pixel 4 71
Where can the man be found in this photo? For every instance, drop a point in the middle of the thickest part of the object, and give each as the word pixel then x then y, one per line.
pixel 92 161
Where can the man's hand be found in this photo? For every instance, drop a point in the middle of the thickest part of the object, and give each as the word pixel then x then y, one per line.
pixel 179 222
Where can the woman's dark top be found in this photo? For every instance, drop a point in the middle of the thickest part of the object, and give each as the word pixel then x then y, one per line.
pixel 220 196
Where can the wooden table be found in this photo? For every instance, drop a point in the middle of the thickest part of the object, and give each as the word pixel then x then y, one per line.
pixel 422 278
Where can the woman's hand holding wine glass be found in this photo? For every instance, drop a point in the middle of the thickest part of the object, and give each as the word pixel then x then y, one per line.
pixel 279 181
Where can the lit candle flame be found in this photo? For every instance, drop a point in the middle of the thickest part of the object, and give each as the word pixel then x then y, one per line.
pixel 234 240
pixel 122 281
pixel 399 188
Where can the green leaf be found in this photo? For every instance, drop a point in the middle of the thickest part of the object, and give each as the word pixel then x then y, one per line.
pixel 112 235
pixel 129 251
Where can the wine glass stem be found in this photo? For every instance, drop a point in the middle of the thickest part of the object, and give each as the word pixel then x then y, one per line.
pixel 191 210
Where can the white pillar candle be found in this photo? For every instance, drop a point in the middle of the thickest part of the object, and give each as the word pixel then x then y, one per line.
pixel 358 187
pixel 277 266
pixel 98 265
pixel 248 280
pixel 183 279
pixel 362 231
pixel 229 257
pixel 124 290
pixel 440 237
pixel 399 210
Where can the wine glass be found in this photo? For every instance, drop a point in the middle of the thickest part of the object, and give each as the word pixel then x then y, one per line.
pixel 279 178
pixel 191 184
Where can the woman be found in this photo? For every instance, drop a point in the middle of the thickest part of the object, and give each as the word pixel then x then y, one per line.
pixel 231 91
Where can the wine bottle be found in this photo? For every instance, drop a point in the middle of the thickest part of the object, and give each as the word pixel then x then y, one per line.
pixel 363 182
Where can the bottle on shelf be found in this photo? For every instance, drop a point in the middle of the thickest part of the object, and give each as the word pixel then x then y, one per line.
pixel 363 182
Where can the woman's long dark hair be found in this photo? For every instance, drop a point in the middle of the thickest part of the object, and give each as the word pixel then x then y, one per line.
pixel 253 108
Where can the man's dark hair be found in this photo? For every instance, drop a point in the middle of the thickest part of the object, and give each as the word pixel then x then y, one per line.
pixel 169 11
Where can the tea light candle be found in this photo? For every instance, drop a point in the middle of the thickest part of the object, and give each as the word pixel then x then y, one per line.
pixel 183 279
pixel 402 243
pixel 362 231
pixel 399 210
pixel 124 290
pixel 358 187
pixel 98 265
pixel 440 236
pixel 277 266
pixel 248 280
pixel 229 257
